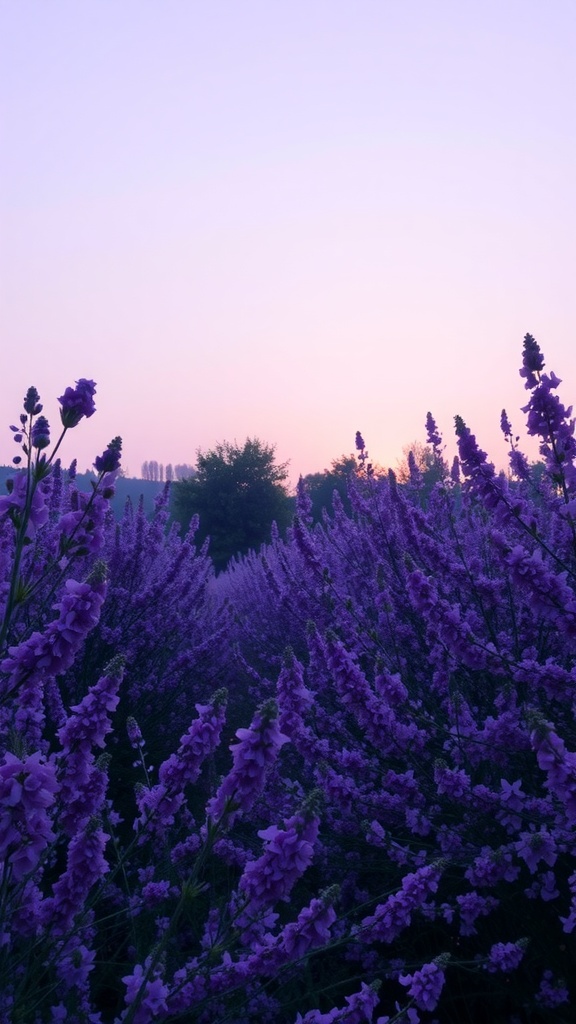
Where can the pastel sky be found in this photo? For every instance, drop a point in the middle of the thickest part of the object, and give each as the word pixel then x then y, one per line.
pixel 289 219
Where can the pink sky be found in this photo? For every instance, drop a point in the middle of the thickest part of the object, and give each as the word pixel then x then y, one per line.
pixel 292 220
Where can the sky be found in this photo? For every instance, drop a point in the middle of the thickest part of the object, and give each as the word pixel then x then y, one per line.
pixel 285 219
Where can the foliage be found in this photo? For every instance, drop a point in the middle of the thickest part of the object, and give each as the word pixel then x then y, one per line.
pixel 321 486
pixel 377 824
pixel 237 493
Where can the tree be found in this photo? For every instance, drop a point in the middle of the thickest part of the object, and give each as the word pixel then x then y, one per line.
pixel 422 466
pixel 237 492
pixel 321 486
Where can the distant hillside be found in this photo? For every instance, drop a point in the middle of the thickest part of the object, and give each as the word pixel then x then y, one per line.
pixel 126 487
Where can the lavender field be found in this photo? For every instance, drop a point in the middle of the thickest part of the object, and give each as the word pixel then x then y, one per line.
pixel 334 783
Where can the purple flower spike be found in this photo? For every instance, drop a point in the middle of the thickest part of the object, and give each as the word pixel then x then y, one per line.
pixel 253 755
pixel 533 361
pixel 505 425
pixel 426 984
pixel 434 438
pixel 77 402
pixel 31 403
pixel 109 461
pixel 505 956
pixel 27 789
pixel 40 436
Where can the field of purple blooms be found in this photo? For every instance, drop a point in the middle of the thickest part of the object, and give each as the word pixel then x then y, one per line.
pixel 335 783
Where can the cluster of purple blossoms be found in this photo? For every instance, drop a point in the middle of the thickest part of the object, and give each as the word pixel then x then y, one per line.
pixel 29 668
pixel 77 402
pixel 393 916
pixel 425 985
pixel 82 780
pixel 159 804
pixel 505 956
pixel 109 461
pixel 288 852
pixel 559 765
pixel 253 756
pixel 86 865
pixel 552 993
pixel 20 500
pixel 146 995
pixel 28 790
pixel 359 1009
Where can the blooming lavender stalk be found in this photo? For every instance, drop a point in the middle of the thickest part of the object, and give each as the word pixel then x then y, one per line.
pixel 426 984
pixel 86 728
pixel 558 763
pixel 294 700
pixel 359 1009
pixel 253 755
pixel 159 804
pixel 390 918
pixel 43 656
pixel 287 854
pixel 77 402
pixel 506 956
pixel 86 865
pixel 146 995
pixel 27 790
pixel 375 715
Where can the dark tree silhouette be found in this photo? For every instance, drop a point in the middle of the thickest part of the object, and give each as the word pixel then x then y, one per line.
pixel 238 491
pixel 321 486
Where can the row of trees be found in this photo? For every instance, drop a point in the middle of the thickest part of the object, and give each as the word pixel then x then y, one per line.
pixel 153 470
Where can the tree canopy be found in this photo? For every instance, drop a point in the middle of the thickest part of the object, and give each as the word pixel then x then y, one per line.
pixel 321 486
pixel 238 492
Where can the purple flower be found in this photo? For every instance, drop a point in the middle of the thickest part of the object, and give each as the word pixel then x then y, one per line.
pixel 359 1009
pixel 154 995
pixel 31 400
pixel 472 906
pixel 77 402
pixel 29 667
pixel 14 503
pixel 434 438
pixel 519 464
pixel 159 804
pixel 74 964
pixel 393 916
pixel 253 755
pixel 109 461
pixel 533 361
pixel 134 733
pixel 287 854
pixel 426 984
pixel 505 956
pixel 27 790
pixel 312 928
pixel 89 721
pixel 505 425
pixel 552 993
pixel 40 434
pixel 559 764
pixel 86 865
pixel 536 846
